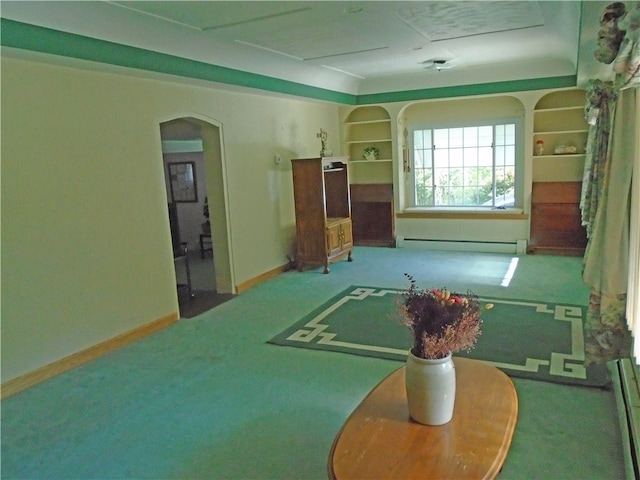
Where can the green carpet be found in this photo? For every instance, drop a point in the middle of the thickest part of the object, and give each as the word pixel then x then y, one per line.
pixel 209 399
pixel 540 341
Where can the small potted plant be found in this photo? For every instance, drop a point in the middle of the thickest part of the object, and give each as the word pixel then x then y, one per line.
pixel 371 153
pixel 442 323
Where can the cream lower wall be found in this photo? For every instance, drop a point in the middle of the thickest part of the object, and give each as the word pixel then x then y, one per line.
pixel 463 230
pixel 86 249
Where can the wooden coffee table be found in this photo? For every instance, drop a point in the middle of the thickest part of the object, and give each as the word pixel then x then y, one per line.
pixel 379 440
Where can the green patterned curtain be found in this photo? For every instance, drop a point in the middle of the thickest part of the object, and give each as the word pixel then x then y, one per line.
pixel 606 196
pixel 600 100
pixel 607 255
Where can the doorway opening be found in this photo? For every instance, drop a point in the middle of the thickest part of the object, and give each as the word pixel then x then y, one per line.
pixel 197 209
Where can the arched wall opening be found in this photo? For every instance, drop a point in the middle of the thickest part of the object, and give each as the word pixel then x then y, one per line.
pixel 195 133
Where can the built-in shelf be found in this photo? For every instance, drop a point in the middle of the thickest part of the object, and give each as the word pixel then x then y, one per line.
pixel 560 109
pixel 371 180
pixel 558 119
pixel 559 132
pixel 374 140
pixel 366 122
pixel 377 160
pixel 369 126
pixel 561 155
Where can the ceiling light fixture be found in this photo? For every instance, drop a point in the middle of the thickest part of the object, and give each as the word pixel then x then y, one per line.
pixel 438 64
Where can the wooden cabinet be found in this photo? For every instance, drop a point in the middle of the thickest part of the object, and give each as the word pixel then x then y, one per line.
pixel 323 211
pixel 556 226
pixel 339 235
pixel 372 214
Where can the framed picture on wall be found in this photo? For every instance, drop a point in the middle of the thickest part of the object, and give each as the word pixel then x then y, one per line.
pixel 182 179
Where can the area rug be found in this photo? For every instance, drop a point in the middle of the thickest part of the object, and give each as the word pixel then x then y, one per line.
pixel 526 339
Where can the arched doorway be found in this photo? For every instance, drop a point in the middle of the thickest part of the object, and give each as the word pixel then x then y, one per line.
pixel 190 138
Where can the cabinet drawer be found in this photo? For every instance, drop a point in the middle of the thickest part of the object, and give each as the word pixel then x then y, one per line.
pixel 556 192
pixel 557 225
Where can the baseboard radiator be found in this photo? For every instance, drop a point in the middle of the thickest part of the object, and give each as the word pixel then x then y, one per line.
pixel 627 388
pixel 514 247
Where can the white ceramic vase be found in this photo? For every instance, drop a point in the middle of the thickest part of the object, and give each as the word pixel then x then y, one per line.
pixel 431 389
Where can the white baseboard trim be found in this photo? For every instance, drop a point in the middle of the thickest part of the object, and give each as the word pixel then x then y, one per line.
pixel 626 386
pixel 518 247
pixel 46 372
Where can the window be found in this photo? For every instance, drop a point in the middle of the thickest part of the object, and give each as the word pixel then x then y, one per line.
pixel 473 165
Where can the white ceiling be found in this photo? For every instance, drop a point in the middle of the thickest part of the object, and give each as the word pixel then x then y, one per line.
pixel 354 47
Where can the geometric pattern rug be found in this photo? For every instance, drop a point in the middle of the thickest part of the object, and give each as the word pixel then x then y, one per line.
pixel 526 339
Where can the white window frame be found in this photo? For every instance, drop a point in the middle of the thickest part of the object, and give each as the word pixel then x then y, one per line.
pixel 519 160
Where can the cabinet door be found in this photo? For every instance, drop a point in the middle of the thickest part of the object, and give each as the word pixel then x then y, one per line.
pixel 334 239
pixel 346 235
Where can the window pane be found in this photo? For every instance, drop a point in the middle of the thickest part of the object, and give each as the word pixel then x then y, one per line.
pixel 499 134
pixel 441 176
pixel 485 176
pixel 510 155
pixel 510 134
pixel 455 196
pixel 456 177
pixel 441 159
pixel 471 177
pixel 424 196
pixel 485 136
pixel 471 136
pixel 485 157
pixel 470 196
pixel 455 137
pixel 423 186
pixel 472 165
pixel 422 159
pixel 470 157
pixel 499 155
pixel 441 138
pixel 455 157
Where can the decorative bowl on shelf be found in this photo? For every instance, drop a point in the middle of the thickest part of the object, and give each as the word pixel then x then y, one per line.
pixel 565 149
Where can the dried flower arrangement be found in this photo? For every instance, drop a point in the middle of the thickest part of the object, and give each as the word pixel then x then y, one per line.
pixel 442 322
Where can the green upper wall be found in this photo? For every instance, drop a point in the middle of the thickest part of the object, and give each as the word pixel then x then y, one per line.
pixel 45 40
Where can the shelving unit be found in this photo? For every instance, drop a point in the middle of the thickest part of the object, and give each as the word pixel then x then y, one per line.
pixel 366 127
pixel 371 180
pixel 555 213
pixel 559 120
